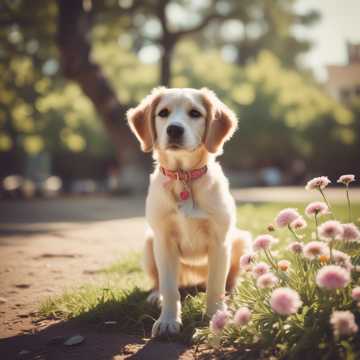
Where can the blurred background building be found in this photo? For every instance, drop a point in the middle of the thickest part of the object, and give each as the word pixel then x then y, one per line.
pixel 70 69
pixel 344 80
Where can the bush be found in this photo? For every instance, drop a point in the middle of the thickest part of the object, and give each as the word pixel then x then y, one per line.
pixel 299 302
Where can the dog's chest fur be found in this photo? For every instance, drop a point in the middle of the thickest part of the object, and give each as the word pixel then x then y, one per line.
pixel 192 235
pixel 195 236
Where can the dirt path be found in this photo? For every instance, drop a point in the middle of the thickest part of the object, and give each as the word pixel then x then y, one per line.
pixel 47 246
pixel 36 263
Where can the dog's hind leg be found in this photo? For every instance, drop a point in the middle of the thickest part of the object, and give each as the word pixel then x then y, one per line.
pixel 241 244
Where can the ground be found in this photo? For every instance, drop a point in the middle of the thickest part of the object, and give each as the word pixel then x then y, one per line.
pixel 49 245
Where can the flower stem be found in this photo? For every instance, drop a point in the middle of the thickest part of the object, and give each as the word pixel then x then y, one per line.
pixel 270 260
pixel 348 203
pixel 293 232
pixel 331 249
pixel 316 224
pixel 327 202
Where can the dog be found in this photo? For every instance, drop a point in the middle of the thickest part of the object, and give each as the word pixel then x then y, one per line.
pixel 192 237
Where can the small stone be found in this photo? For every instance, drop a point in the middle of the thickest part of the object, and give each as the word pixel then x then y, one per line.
pixel 3 300
pixel 110 322
pixel 90 272
pixel 24 352
pixel 22 286
pixel 23 316
pixel 74 340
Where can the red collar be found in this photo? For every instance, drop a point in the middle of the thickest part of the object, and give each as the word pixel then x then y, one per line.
pixel 184 175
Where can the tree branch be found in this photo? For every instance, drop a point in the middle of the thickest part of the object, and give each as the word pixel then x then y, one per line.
pixel 204 23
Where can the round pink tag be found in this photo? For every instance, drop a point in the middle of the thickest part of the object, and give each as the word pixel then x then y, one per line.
pixel 184 195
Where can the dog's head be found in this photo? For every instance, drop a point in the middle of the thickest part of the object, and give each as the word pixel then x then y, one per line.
pixel 182 119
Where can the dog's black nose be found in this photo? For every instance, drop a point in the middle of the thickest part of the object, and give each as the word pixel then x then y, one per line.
pixel 175 131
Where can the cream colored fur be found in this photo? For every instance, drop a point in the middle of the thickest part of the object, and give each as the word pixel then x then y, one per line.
pixel 183 251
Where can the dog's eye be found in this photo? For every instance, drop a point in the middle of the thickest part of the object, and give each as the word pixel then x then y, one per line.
pixel 164 113
pixel 194 113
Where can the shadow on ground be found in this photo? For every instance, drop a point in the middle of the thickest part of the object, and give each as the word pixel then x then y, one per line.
pixel 112 330
pixel 99 343
pixel 71 209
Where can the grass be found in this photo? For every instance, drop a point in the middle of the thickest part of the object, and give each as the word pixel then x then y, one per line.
pixel 120 294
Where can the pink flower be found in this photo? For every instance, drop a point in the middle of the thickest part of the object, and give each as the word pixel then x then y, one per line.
pixel 283 265
pixel 218 321
pixel 285 301
pixel 298 223
pixel 296 247
pixel 343 323
pixel 314 249
pixel 355 293
pixel 332 277
pixel 342 259
pixel 318 183
pixel 260 269
pixel 330 230
pixel 267 280
pixel 263 242
pixel 350 232
pixel 242 316
pixel 245 261
pixel 286 216
pixel 346 179
pixel 316 208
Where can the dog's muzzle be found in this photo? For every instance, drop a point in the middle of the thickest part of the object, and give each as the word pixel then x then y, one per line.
pixel 175 135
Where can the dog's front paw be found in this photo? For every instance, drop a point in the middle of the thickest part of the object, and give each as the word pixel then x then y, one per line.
pixel 166 326
pixel 212 308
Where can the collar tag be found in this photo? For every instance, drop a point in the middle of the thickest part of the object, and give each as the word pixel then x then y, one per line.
pixel 188 207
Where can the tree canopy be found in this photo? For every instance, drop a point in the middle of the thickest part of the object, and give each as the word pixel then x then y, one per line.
pixel 114 51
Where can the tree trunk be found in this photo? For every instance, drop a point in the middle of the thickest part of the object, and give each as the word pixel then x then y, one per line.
pixel 74 25
pixel 166 61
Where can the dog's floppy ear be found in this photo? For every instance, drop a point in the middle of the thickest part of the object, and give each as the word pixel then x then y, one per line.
pixel 141 119
pixel 221 122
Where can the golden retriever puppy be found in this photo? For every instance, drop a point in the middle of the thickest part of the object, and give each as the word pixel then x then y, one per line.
pixel 192 216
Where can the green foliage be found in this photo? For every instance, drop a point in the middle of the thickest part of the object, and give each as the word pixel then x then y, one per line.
pixel 308 332
pixel 257 217
pixel 283 111
pixel 38 110
pixel 131 265
pixel 132 79
pixel 301 335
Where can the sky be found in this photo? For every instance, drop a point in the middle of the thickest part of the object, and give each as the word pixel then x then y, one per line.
pixel 340 22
